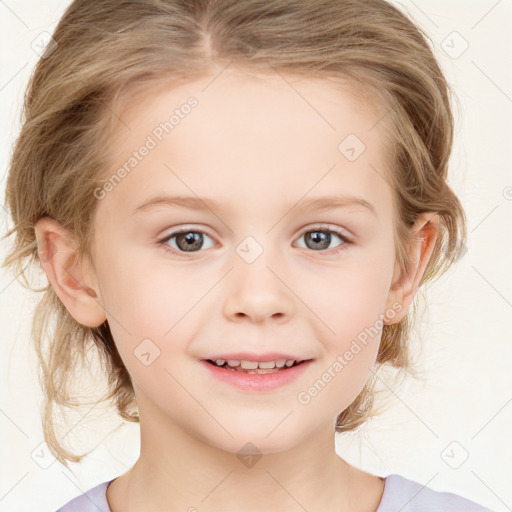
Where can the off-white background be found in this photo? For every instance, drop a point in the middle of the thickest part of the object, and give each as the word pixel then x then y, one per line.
pixel 463 407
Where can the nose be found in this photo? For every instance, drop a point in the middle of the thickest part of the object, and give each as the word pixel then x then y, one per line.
pixel 258 292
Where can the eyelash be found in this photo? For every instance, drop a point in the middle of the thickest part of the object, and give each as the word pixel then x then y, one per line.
pixel 321 228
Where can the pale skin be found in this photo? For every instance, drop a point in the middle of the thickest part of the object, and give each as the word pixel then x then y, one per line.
pixel 254 145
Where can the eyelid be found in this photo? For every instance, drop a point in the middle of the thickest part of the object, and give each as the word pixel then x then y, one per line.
pixel 327 227
pixel 310 227
pixel 185 229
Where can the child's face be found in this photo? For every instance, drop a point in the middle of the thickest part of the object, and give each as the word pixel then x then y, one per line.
pixel 258 148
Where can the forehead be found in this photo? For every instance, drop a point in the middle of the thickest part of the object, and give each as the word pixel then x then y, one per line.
pixel 278 135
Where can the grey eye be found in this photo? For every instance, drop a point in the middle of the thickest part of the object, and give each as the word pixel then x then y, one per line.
pixel 187 241
pixel 320 239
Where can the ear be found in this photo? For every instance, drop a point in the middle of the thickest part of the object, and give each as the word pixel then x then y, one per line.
pixel 72 279
pixel 405 284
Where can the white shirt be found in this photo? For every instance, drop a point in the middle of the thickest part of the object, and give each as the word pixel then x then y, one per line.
pixel 400 495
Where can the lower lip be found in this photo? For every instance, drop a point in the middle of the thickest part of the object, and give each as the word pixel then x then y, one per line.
pixel 254 381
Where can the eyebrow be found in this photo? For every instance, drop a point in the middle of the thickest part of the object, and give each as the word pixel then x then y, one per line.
pixel 202 204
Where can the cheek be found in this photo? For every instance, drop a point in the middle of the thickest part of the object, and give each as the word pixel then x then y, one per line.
pixel 350 298
pixel 142 308
pixel 350 350
pixel 351 305
pixel 145 297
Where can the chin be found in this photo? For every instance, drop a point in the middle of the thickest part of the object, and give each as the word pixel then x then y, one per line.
pixel 253 441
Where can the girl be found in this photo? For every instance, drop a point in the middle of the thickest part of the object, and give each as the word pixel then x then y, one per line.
pixel 235 204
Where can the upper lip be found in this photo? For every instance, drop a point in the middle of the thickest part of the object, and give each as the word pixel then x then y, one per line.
pixel 246 356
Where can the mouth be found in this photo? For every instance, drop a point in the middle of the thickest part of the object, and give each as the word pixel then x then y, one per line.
pixel 256 376
pixel 255 367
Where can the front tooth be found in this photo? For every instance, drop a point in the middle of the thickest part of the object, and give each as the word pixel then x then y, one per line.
pixel 280 363
pixel 233 362
pixel 220 362
pixel 249 365
pixel 267 364
pixel 290 362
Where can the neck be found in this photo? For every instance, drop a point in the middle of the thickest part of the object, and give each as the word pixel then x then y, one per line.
pixel 178 471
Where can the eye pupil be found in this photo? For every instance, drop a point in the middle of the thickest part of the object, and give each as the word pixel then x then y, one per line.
pixel 318 237
pixel 193 240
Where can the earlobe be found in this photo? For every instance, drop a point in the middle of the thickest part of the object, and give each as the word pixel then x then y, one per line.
pixel 67 274
pixel 425 230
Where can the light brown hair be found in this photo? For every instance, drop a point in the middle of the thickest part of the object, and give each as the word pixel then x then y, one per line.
pixel 110 50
